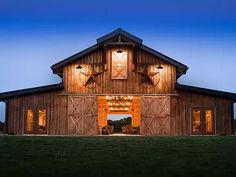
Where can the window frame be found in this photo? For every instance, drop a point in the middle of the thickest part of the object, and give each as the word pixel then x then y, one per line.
pixel 35 119
pixel 203 131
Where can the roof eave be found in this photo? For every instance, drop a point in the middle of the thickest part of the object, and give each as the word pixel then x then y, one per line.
pixel 7 95
pixel 217 93
pixel 73 57
pixel 182 68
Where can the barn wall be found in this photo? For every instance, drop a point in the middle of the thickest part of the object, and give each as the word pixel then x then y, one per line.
pixel 181 112
pixel 57 111
pixel 107 85
pixel 179 122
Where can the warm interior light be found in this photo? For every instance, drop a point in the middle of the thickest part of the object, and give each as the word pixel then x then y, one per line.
pixel 29 120
pixel 42 118
pixel 119 103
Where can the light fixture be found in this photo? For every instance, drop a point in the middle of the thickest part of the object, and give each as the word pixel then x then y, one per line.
pixel 79 67
pixel 160 67
pixel 119 51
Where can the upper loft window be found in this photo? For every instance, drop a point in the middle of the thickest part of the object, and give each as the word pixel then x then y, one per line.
pixel 119 64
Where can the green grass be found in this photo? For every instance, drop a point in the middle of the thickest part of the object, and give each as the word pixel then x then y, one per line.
pixel 117 156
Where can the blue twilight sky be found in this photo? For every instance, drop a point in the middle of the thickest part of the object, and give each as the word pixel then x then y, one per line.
pixel 34 34
pixel 118 116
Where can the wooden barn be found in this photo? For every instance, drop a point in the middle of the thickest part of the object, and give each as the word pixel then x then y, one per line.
pixel 119 75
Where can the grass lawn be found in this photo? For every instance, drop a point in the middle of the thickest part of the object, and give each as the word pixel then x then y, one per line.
pixel 117 156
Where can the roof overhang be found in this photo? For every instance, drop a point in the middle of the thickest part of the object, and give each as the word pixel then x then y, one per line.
pixel 6 95
pixel 217 93
pixel 104 40
pixel 72 58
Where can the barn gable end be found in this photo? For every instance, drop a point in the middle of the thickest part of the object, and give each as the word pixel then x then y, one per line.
pixel 119 75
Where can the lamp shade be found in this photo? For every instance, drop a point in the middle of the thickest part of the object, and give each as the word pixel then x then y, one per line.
pixel 160 67
pixel 119 51
pixel 79 67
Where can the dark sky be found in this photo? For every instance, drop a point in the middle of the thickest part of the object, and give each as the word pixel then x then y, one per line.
pixel 36 34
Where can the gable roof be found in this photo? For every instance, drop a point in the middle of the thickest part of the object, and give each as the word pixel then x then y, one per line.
pixel 73 57
pixel 206 91
pixel 54 87
pixel 181 68
pixel 119 31
pixel 164 57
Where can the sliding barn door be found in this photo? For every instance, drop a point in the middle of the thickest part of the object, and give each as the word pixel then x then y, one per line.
pixel 155 115
pixel 82 115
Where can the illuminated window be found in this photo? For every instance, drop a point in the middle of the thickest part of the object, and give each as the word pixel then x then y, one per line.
pixel 119 64
pixel 42 119
pixel 196 120
pixel 29 120
pixel 35 120
pixel 209 120
pixel 203 121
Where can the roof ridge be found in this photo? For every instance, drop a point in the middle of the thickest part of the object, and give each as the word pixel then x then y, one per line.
pixel 182 68
pixel 116 32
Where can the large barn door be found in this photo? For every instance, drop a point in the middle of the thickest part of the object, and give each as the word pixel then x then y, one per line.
pixel 82 115
pixel 155 115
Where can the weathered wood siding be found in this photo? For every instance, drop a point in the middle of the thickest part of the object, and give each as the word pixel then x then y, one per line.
pixel 82 115
pixel 55 104
pixel 181 112
pixel 155 115
pixel 109 86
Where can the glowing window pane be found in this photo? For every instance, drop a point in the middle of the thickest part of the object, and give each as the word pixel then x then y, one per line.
pixel 209 120
pixel 42 119
pixel 196 120
pixel 29 120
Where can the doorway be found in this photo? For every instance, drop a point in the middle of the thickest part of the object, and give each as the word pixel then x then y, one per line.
pixel 118 114
pixel 35 120
pixel 121 123
pixel 203 121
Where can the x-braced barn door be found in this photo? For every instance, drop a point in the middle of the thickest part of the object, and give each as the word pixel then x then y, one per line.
pixel 82 115
pixel 155 115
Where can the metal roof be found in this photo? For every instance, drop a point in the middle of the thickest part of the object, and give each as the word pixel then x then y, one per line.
pixel 206 91
pixel 28 91
pixel 74 57
pixel 164 57
pixel 180 67
pixel 119 31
